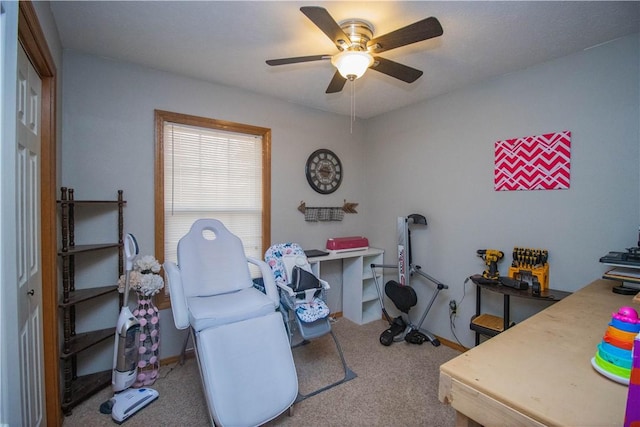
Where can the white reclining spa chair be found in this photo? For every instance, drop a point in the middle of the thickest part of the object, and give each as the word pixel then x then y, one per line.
pixel 302 302
pixel 241 344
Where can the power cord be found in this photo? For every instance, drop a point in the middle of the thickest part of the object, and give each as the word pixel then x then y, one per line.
pixel 453 332
pixel 453 311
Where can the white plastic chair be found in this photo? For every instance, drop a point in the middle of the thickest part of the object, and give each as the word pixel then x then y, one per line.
pixel 241 344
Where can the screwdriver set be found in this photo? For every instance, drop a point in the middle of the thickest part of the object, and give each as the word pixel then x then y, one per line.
pixel 530 265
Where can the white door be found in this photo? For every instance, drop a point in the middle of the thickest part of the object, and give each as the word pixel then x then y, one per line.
pixel 29 275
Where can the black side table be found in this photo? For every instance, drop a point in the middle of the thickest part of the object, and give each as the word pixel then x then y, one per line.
pixel 490 325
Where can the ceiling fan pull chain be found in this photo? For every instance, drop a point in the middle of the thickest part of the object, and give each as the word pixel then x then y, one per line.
pixel 353 104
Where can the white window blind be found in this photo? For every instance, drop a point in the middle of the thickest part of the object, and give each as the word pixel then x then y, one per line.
pixel 210 173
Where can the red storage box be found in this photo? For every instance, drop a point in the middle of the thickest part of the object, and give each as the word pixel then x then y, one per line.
pixel 344 244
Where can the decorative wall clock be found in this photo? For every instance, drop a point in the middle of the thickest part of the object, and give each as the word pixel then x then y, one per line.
pixel 324 171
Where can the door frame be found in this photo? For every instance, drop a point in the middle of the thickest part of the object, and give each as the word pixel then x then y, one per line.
pixel 32 39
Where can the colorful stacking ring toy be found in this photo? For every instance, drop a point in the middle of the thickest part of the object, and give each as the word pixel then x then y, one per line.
pixel 614 355
pixel 611 368
pixel 621 335
pixel 625 326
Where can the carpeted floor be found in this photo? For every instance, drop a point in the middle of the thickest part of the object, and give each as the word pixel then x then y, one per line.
pixel 395 386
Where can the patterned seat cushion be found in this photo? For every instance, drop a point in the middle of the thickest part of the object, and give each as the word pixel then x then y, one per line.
pixel 307 311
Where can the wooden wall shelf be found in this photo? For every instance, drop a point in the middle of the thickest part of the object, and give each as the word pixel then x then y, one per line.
pixel 75 345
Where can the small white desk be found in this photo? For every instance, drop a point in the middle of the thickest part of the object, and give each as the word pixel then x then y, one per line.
pixel 359 296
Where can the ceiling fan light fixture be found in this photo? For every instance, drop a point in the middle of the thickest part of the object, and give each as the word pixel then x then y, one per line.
pixel 352 64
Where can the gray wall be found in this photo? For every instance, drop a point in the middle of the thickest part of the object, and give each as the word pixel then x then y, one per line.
pixel 437 159
pixel 108 144
pixel 434 158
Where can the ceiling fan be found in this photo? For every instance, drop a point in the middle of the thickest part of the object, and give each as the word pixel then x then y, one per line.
pixel 359 49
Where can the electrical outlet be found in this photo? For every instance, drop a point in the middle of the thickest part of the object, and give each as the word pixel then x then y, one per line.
pixel 453 306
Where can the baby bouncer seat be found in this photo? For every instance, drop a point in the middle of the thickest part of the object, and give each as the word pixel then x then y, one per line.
pixel 302 302
pixel 242 347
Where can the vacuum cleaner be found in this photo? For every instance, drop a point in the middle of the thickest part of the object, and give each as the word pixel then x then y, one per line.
pixel 127 401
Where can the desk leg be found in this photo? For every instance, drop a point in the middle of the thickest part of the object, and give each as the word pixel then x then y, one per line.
pixel 463 421
pixel 478 304
pixel 506 311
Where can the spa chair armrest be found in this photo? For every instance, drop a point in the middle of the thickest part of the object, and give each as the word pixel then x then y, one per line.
pixel 267 277
pixel 176 293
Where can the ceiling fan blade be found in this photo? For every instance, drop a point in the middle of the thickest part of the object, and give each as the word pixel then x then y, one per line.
pixel 297 59
pixel 336 84
pixel 395 69
pixel 418 31
pixel 327 24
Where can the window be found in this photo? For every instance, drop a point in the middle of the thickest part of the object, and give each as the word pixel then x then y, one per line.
pixel 208 168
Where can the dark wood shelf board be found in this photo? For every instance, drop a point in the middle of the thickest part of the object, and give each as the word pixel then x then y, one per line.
pixel 84 387
pixel 90 202
pixel 484 331
pixel 84 340
pixel 72 250
pixel 488 324
pixel 551 295
pixel 488 321
pixel 80 295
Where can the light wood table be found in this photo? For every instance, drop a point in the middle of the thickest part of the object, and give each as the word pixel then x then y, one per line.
pixel 539 372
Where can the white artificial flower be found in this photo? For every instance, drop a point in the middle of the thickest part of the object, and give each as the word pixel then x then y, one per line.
pixel 144 278
pixel 135 279
pixel 150 284
pixel 147 263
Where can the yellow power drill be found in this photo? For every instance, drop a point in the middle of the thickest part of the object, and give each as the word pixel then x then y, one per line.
pixel 491 258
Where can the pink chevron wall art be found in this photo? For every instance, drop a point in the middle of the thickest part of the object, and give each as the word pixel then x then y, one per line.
pixel 541 162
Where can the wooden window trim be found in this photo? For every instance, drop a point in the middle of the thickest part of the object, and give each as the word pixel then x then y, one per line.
pixel 162 300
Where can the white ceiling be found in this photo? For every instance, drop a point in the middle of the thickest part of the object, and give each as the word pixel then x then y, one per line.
pixel 227 42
